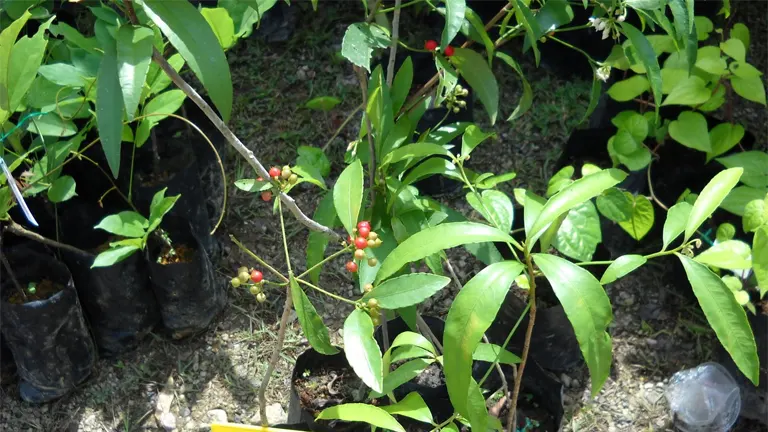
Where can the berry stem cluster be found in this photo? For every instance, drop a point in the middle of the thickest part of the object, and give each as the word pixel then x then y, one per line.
pixel 365 239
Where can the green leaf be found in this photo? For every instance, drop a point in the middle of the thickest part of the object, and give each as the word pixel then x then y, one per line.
pixel 221 24
pixel 63 74
pixel 109 101
pixel 314 157
pixel 325 214
pixel 704 27
pixel 573 195
pixel 348 195
pixel 190 34
pixel 434 239
pixel 479 33
pixel 739 197
pixel 322 103
pixel 621 267
pixel 475 70
pixel 526 100
pixel 411 406
pixel 579 233
pixel 628 150
pixel 674 225
pixel 436 165
pixel 741 32
pixel 159 207
pixel 407 290
pixel 62 189
pixel 648 58
pixel 492 181
pixel 526 18
pixel 454 18
pixel 25 59
pixel 709 60
pixel 644 4
pixel 472 312
pixel 490 353
pixel 725 231
pixel 360 412
pixel 755 165
pixel 164 103
pixel 157 79
pixel 253 185
pixel 724 137
pixel 413 339
pixel 495 206
pixel 588 309
pixel 472 137
pixel 359 41
pixel 710 198
pixel 760 259
pixel 629 88
pixel 725 316
pixel 362 351
pixel 755 215
pixel 670 78
pixel 615 205
pixel 560 180
pixel 311 323
pixel 735 49
pixel 414 153
pixel 113 256
pixel 749 88
pixel 690 129
pixel 134 53
pixel 125 223
pixel 73 36
pixel 634 123
pixel 692 91
pixel 366 274
pixel 744 70
pixel 730 254
pixel 642 217
pixel 406 372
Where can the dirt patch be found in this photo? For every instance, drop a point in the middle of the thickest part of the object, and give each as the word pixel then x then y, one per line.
pixel 42 290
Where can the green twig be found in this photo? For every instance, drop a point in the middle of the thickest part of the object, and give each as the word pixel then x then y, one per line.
pixel 259 260
pixel 329 294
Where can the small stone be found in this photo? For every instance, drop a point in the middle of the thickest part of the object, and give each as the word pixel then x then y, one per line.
pixel 216 416
pixel 648 385
pixel 190 426
pixel 186 412
pixel 575 383
pixel 275 415
pixel 168 421
pixel 651 342
pixel 566 380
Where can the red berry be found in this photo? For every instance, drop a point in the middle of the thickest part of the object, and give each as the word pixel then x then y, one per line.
pixel 274 172
pixel 256 276
pixel 352 267
pixel 364 224
pixel 266 195
pixel 448 51
pixel 364 231
pixel 430 45
pixel 361 243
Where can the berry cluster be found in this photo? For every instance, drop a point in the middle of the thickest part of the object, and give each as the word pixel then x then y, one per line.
pixel 365 239
pixel 253 279
pixel 453 100
pixel 431 45
pixel 284 178
pixel 374 311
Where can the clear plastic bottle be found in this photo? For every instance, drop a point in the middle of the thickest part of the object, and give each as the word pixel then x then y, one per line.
pixel 704 399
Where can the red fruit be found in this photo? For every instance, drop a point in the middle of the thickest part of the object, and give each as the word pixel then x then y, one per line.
pixel 364 224
pixel 364 231
pixel 448 51
pixel 352 267
pixel 430 45
pixel 274 172
pixel 266 195
pixel 361 243
pixel 256 276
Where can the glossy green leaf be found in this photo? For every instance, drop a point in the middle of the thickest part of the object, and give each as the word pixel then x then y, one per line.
pixel 724 137
pixel 621 267
pixel 411 406
pixel 560 180
pixel 325 214
pixel 472 137
pixel 528 20
pixel 579 233
pixel 642 217
pixel 750 88
pixel 677 219
pixel 495 206
pixel 435 239
pixel 360 412
pixel 454 18
pixel 360 40
pixel 322 103
pixel 741 32
pixel 725 231
pixel 472 312
pixel 113 255
pixel 125 223
pixel 348 195
pixel 109 102
pixel 401 85
pixel 134 53
pixel 429 167
pixel 730 254
pixel 734 48
pixel 253 185
pixel 588 309
pixel 478 33
pixel 491 353
pixel 404 373
pixel 710 198
pixel 690 129
pixel 191 35
pixel 7 42
pixel 628 89
pixel 532 206
pixel 526 99
pixel 159 207
pixel 755 166
pixel 493 180
pixel 691 91
pixel 408 352
pixel 222 25
pixel 573 195
pixel 755 215
pixel 594 95
pixel 362 351
pixel 25 59
pixel 725 316
pixel 739 197
pixel 157 79
pixel 760 259
pixel 414 152
pixel 62 189
pixel 615 205
pixel 165 103
pixel 311 324
pixel 479 76
pixel 413 339
pixel 52 125
pixel 407 290
pixel 648 58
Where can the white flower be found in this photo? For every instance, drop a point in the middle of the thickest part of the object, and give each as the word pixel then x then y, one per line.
pixel 594 21
pixel 606 32
pixel 604 72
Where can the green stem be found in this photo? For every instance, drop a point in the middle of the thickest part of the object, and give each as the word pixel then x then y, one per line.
pixel 259 260
pixel 506 342
pixel 591 60
pixel 325 260
pixel 329 294
pixel 445 423
pixel 285 239
pixel 402 6
pixel 647 257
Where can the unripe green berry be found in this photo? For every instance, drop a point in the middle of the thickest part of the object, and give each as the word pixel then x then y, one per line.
pixel 235 282
pixel 242 269
pixel 261 297
pixel 293 179
pixel 244 277
pixel 368 288
pixel 373 303
pixel 255 289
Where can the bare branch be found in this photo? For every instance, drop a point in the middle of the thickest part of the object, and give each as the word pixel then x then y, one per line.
pixel 393 45
pixel 19 230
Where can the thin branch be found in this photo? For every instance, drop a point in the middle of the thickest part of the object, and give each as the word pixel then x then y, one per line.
pixel 424 328
pixel 343 125
pixel 19 230
pixel 393 45
pixel 650 188
pixel 373 12
pixel 275 356
pixel 256 257
pixel 8 268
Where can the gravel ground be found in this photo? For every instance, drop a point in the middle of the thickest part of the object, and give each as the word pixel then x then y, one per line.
pixel 657 330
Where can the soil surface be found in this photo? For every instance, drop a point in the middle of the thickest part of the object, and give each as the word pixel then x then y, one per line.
pixel 329 387
pixel 176 254
pixel 42 290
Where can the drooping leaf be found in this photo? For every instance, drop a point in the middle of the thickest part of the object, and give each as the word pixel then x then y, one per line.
pixel 222 25
pixel 113 256
pixel 348 195
pixel 730 254
pixel 489 353
pixel 472 312
pixel 674 225
pixel 134 53
pixel 360 40
pixel 404 373
pixel 193 38
pixel 360 412
pixel 362 351
pixel 588 309
pixel 725 316
pixel 621 267
pixel 710 198
pixel 414 152
pixel 479 76
pixel 526 100
pixel 528 20
pixel 311 323
pixel 495 206
pixel 109 101
pixel 407 290
pixel 454 18
pixel 472 137
pixel 317 242
pixel 648 58
pixel 560 180
pixel 125 224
